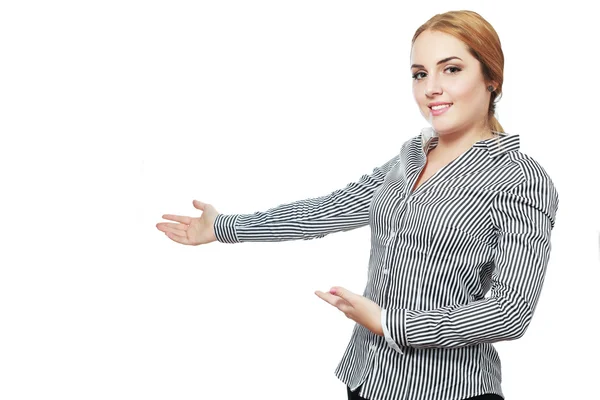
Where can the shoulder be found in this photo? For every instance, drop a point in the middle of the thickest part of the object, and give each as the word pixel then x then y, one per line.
pixel 522 168
pixel 528 181
pixel 526 166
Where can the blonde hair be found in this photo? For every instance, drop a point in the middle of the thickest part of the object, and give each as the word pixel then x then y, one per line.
pixel 483 43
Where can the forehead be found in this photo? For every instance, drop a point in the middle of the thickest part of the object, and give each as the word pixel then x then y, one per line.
pixel 432 46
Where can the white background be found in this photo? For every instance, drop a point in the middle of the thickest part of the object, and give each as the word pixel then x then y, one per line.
pixel 114 113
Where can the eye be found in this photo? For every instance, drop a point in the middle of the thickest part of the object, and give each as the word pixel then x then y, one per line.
pixel 420 75
pixel 454 68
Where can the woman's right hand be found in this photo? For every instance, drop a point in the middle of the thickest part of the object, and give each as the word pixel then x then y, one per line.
pixel 191 231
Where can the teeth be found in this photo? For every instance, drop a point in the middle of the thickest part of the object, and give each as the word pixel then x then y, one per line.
pixel 440 107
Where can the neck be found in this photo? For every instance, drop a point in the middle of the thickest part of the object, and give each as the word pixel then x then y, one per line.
pixel 459 142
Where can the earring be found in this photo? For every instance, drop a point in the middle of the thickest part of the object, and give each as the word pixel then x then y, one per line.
pixel 490 88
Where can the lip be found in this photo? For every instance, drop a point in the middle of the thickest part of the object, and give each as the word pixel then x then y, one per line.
pixel 437 103
pixel 435 113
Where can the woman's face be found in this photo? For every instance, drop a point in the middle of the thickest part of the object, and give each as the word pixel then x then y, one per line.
pixel 445 72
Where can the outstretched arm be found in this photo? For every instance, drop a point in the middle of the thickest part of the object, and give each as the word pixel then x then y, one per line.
pixel 341 210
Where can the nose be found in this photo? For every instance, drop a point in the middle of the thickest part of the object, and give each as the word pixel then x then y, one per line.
pixel 432 88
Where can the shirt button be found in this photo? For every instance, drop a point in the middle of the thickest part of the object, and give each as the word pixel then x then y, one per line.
pixel 386 271
pixel 372 347
pixel 393 233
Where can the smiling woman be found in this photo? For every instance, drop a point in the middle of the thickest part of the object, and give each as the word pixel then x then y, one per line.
pixel 471 73
pixel 460 225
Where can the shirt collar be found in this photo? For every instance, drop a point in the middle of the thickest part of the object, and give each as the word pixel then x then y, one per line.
pixel 495 146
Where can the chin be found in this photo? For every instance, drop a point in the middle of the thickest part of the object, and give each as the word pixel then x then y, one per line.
pixel 440 129
pixel 443 128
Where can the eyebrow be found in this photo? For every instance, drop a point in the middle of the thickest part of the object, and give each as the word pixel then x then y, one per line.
pixel 438 63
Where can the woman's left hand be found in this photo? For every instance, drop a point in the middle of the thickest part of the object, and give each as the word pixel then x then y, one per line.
pixel 358 308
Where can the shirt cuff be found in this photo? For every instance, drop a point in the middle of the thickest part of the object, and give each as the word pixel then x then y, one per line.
pixel 396 321
pixel 388 337
pixel 224 227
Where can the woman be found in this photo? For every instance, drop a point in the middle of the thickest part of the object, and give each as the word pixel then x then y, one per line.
pixel 458 213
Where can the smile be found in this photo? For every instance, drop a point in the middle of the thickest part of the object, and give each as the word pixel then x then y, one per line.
pixel 439 110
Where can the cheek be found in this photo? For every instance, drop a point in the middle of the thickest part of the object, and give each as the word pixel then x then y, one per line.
pixel 421 102
pixel 461 91
pixel 419 96
pixel 415 95
pixel 468 90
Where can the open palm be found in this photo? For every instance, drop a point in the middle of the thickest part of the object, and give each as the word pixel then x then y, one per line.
pixel 189 230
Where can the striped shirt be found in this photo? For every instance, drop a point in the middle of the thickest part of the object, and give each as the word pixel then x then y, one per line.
pixel 455 265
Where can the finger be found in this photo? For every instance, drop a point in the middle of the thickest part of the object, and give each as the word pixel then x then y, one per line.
pixel 343 304
pixel 327 297
pixel 335 301
pixel 179 218
pixel 343 293
pixel 178 239
pixel 175 229
pixel 176 232
pixel 164 226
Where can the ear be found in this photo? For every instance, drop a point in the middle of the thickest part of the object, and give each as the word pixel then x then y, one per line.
pixel 493 83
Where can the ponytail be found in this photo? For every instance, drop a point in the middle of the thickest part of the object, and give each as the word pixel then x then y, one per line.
pixel 495 125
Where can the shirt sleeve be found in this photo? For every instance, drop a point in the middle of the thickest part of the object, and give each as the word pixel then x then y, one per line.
pixel 523 218
pixel 341 210
pixel 386 332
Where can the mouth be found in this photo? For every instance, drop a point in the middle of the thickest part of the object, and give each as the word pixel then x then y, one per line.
pixel 440 109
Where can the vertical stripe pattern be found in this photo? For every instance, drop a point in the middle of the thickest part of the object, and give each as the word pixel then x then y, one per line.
pixel 456 265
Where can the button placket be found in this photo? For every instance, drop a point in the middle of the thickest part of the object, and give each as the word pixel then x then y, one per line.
pixel 390 248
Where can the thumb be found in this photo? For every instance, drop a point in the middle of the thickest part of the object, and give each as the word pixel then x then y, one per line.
pixel 341 292
pixel 199 205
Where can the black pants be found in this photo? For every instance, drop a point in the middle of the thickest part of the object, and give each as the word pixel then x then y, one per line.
pixel 354 396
